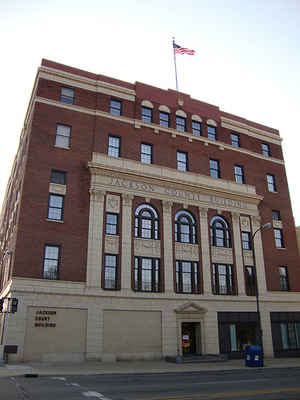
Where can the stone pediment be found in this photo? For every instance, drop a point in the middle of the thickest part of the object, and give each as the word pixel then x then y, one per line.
pixel 190 307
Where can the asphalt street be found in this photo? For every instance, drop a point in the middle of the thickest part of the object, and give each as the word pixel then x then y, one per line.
pixel 266 384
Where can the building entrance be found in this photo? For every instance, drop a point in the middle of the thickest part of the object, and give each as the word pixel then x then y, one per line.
pixel 191 338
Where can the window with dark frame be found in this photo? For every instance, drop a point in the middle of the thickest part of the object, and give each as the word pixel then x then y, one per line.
pixel 58 177
pixel 219 232
pixel 115 107
pixel 146 225
pixel 239 174
pixel 113 149
pixel 55 207
pixel 147 114
pixel 181 123
pixel 67 95
pixel 51 262
pixel 196 128
pixel 290 335
pixel 276 215
pixel 187 277
pixel 271 183
pixel 112 224
pixel 147 274
pixel 278 235
pixel 265 149
pixel 246 241
pixel 223 280
pixel 284 279
pixel 63 133
pixel 110 272
pixel 250 281
pixel 185 227
pixel 164 119
pixel 235 140
pixel 211 132
pixel 214 168
pixel 182 161
pixel 146 153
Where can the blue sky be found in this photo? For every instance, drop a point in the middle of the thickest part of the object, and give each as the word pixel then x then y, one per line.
pixel 247 58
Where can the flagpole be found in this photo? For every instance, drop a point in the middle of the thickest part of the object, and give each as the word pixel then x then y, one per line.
pixel 175 64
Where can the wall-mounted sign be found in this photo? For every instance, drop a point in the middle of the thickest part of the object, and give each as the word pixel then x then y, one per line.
pixel 44 319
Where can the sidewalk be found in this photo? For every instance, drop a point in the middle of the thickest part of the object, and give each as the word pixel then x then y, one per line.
pixel 133 367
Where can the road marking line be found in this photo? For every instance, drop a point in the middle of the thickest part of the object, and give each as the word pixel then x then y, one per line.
pixel 95 394
pixel 225 395
pixel 59 378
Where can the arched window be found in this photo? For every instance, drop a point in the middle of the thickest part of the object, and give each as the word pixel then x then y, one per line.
pixel 146 222
pixel 185 227
pixel 219 232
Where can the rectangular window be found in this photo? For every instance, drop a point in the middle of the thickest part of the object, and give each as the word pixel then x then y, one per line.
pixel 284 279
pixel 214 168
pixel 182 161
pixel 223 281
pixel 276 215
pixel 110 271
pixel 63 133
pixel 164 119
pixel 250 281
pixel 180 124
pixel 112 224
pixel 51 262
pixel 187 277
pixel 278 238
pixel 271 183
pixel 265 148
pixel 146 274
pixel 58 177
pixel 67 95
pixel 235 140
pixel 211 132
pixel 196 128
pixel 239 174
pixel 146 153
pixel 55 207
pixel 113 146
pixel 290 335
pixel 146 114
pixel 246 241
pixel 115 107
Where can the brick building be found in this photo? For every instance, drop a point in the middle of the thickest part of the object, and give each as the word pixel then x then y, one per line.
pixel 128 222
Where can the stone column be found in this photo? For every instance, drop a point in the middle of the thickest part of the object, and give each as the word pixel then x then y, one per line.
pixel 205 246
pixel 259 256
pixel 238 254
pixel 126 263
pixel 95 245
pixel 168 246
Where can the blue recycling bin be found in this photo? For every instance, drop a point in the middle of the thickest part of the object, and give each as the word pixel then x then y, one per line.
pixel 253 356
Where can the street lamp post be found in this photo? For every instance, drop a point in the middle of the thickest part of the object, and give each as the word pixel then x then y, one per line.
pixel 259 334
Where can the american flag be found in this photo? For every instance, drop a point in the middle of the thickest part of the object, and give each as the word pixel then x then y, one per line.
pixel 182 50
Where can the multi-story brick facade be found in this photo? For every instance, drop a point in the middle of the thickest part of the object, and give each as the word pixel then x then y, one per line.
pixel 128 222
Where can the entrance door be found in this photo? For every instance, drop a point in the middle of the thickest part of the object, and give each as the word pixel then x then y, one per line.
pixel 191 341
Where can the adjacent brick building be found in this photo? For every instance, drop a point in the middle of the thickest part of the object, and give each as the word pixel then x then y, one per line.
pixel 128 222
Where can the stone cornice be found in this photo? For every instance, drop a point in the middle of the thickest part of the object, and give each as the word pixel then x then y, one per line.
pixel 86 83
pixel 47 287
pixel 250 130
